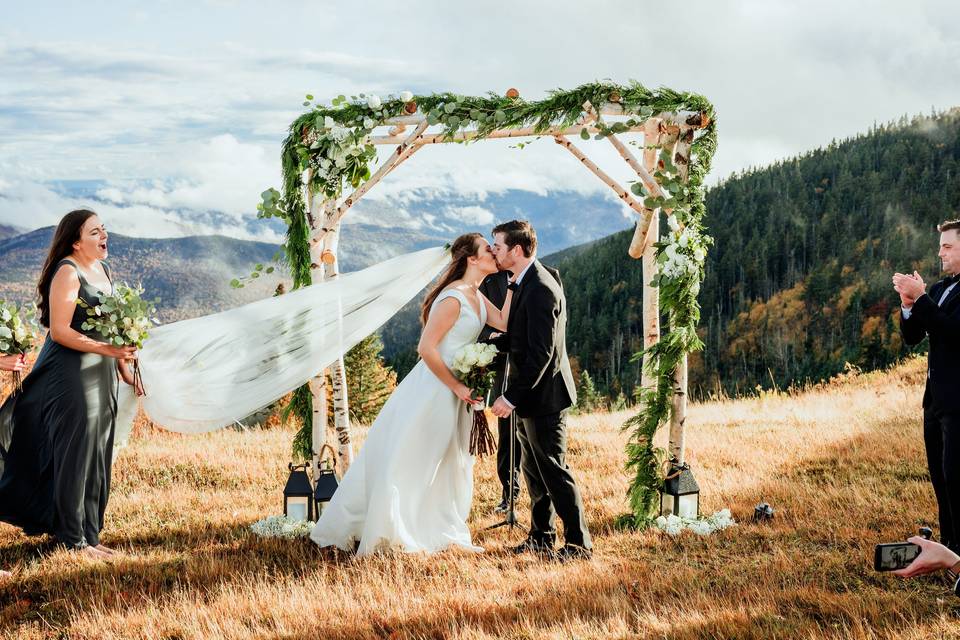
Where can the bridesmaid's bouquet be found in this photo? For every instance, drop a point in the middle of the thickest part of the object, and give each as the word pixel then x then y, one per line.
pixel 471 365
pixel 17 333
pixel 123 318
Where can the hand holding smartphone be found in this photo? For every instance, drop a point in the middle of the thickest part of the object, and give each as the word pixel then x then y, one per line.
pixel 894 555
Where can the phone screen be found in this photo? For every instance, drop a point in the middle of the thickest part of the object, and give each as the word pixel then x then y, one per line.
pixel 894 555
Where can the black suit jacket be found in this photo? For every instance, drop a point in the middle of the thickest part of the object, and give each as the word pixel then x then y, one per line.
pixel 942 325
pixel 540 380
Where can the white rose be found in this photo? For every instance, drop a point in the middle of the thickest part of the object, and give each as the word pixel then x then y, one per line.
pixel 406 96
pixel 373 102
pixel 673 223
pixel 368 123
pixel 328 122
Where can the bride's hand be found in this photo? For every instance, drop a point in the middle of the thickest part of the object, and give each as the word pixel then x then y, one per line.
pixel 465 393
pixel 127 376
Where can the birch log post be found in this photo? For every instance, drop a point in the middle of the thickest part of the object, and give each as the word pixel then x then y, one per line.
pixel 318 383
pixel 338 374
pixel 461 136
pixel 678 412
pixel 402 152
pixel 651 295
pixel 622 193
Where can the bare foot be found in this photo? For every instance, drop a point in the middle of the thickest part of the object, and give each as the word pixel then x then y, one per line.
pixel 5 575
pixel 95 554
pixel 105 549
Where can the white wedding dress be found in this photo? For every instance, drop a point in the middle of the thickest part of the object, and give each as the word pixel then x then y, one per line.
pixel 411 485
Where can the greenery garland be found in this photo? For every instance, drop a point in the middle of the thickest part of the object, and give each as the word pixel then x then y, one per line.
pixel 333 141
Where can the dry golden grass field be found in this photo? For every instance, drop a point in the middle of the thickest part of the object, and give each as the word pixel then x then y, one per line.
pixel 842 463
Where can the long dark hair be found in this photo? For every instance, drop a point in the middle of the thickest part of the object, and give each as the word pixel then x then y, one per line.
pixel 463 247
pixel 68 232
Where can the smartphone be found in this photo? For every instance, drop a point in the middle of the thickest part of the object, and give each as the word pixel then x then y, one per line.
pixel 894 555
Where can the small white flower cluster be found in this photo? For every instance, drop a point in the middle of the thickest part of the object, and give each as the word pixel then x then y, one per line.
pixel 684 252
pixel 123 317
pixel 16 332
pixel 474 355
pixel 701 526
pixel 282 527
pixel 343 142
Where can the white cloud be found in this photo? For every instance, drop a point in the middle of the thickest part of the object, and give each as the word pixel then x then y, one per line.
pixel 182 115
pixel 472 215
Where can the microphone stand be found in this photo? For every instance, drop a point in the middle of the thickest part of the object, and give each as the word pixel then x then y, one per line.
pixel 510 520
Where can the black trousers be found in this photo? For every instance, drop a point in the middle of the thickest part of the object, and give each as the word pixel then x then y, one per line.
pixel 941 436
pixel 552 488
pixel 503 458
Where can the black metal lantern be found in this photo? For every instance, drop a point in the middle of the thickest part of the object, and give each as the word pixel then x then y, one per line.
pixel 680 494
pixel 297 495
pixel 762 512
pixel 326 483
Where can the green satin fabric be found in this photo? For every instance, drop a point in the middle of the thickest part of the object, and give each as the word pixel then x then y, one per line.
pixel 56 440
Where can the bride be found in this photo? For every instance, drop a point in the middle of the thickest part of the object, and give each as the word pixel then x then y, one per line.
pixel 412 483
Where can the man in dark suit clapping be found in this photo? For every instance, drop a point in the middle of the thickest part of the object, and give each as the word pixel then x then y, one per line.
pixel 937 315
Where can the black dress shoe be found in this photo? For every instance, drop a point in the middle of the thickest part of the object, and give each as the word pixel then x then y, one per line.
pixel 534 545
pixel 569 552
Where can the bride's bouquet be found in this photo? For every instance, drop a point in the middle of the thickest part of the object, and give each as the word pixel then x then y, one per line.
pixel 17 333
pixel 471 365
pixel 123 318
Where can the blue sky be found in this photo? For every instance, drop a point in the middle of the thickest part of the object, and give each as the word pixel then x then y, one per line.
pixel 181 106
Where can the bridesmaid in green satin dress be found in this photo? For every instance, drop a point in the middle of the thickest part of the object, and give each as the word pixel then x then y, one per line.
pixel 56 434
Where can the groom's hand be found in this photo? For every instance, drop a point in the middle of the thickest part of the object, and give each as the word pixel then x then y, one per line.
pixel 501 408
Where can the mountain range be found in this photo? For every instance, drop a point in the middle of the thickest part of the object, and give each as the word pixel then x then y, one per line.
pixel 191 275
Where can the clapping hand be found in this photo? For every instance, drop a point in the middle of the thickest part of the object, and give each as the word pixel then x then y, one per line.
pixel 910 287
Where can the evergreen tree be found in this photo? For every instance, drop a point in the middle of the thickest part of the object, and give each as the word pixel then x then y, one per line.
pixel 369 381
pixel 588 400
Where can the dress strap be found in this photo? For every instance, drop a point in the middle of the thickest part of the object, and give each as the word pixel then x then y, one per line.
pixel 72 264
pixel 451 293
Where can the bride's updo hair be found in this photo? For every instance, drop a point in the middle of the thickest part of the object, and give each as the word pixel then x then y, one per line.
pixel 466 246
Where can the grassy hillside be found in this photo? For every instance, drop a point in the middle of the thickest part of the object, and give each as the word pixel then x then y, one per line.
pixel 841 463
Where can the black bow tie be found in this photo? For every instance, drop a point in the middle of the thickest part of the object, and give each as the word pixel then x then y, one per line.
pixel 951 280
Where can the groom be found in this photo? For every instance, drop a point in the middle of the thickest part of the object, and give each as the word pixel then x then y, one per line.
pixel 540 389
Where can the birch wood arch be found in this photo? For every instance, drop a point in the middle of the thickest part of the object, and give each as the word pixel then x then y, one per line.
pixel 330 149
